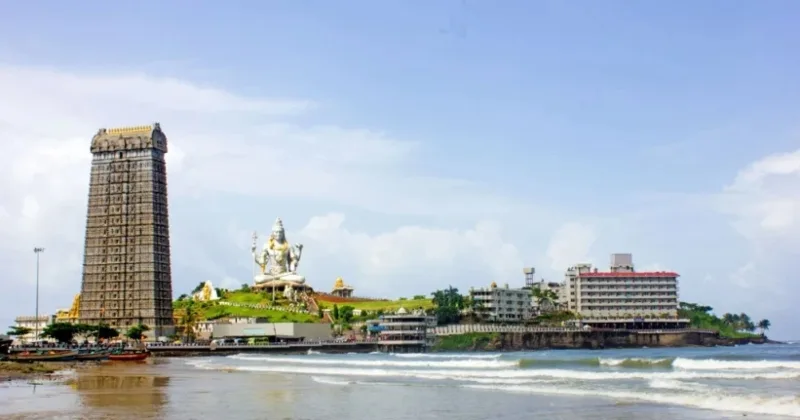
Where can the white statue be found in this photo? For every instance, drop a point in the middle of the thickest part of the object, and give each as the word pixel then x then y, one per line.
pixel 290 294
pixel 207 293
pixel 278 259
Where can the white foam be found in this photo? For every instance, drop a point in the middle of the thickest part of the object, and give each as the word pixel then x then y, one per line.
pixel 330 381
pixel 475 363
pixel 617 362
pixel 446 356
pixel 678 385
pixel 713 364
pixel 515 373
pixel 783 406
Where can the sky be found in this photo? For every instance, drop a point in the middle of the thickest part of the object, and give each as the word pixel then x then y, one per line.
pixel 411 145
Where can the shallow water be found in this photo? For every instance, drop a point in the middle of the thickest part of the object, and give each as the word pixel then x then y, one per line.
pixel 699 383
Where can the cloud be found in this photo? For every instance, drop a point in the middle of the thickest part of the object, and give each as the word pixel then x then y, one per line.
pixel 763 206
pixel 244 152
pixel 414 259
pixel 764 198
pixel 570 244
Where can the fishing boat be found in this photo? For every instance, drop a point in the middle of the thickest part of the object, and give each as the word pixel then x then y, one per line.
pixel 44 356
pixel 92 355
pixel 129 356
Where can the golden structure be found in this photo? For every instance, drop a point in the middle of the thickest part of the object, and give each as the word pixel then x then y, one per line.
pixel 127 277
pixel 71 315
pixel 342 290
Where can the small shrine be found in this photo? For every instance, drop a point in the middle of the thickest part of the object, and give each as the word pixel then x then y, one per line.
pixel 207 293
pixel 342 290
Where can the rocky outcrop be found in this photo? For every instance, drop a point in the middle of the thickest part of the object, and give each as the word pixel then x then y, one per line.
pixel 511 341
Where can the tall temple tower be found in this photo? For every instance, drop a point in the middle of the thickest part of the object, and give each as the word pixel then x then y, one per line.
pixel 127 277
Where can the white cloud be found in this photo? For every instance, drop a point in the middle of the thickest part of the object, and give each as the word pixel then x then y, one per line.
pixel 219 143
pixel 413 259
pixel 764 198
pixel 763 204
pixel 570 244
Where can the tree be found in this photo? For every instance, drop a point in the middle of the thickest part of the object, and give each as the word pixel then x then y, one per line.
pixel 189 319
pixel 245 287
pixel 545 298
pixel 745 323
pixel 335 311
pixel 136 332
pixel 448 305
pixel 63 332
pixel 728 319
pixel 18 332
pixel 419 297
pixel 199 287
pixel 764 325
pixel 346 313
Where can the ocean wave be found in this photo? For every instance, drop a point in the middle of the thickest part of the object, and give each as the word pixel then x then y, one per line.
pixel 782 406
pixel 514 373
pixel 678 385
pixel 638 363
pixel 445 356
pixel 474 364
pixel 715 364
pixel 667 362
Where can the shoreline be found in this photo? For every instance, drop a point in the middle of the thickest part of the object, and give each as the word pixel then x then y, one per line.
pixel 16 371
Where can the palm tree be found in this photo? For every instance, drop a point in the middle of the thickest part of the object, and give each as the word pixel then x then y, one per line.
pixel 763 325
pixel 189 321
pixel 745 323
pixel 728 319
pixel 545 298
pixel 18 332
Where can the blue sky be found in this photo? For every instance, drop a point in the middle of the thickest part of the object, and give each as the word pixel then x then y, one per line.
pixel 414 144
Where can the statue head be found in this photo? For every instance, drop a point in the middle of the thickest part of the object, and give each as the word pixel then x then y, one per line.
pixel 277 230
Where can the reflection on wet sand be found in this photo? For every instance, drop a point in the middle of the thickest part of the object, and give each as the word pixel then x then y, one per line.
pixel 121 390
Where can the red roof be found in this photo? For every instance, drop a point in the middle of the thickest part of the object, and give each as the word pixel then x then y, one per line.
pixel 631 275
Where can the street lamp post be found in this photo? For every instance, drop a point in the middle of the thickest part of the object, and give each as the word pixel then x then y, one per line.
pixel 36 320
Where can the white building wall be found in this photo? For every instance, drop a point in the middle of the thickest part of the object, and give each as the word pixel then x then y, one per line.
pixel 502 304
pixel 31 322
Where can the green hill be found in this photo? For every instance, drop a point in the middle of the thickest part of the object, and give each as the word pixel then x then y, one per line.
pixel 215 309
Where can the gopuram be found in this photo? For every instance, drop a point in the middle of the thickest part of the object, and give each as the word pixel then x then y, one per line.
pixel 278 262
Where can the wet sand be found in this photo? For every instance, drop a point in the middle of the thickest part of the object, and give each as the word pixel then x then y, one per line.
pixel 10 371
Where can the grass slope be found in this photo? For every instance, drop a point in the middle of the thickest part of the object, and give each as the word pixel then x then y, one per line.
pixel 213 310
pixel 376 305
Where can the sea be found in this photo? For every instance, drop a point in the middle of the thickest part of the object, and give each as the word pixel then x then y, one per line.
pixel 756 381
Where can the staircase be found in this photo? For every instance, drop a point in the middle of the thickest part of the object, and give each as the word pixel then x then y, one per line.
pixel 311 305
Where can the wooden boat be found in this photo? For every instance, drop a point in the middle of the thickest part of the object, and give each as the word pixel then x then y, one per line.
pixel 99 355
pixel 44 356
pixel 129 356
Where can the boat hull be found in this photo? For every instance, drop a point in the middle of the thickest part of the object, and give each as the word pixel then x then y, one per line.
pixel 92 356
pixel 128 357
pixel 35 357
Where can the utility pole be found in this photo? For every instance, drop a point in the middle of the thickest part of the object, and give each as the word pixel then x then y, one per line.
pixel 36 320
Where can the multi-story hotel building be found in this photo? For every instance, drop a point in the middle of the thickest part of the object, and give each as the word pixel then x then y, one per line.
pixel 501 304
pixel 622 295
pixel 404 332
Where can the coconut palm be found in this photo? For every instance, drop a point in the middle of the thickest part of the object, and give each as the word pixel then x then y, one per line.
pixel 545 298
pixel 763 325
